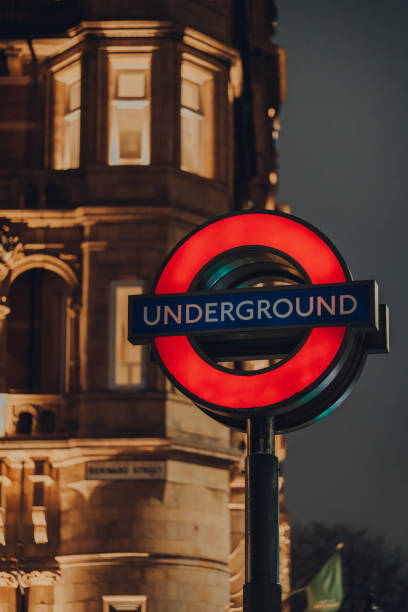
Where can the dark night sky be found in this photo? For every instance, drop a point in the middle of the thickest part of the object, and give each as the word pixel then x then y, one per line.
pixel 343 159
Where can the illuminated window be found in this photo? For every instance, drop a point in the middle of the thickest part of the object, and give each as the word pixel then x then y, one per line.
pixel 129 113
pixel 196 119
pixel 72 124
pixel 67 117
pixel 40 479
pixel 137 603
pixel 126 359
pixel 4 483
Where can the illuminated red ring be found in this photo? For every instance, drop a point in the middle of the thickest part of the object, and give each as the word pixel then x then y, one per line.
pixel 221 389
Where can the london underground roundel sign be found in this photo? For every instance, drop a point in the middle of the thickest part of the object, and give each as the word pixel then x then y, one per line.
pixel 247 284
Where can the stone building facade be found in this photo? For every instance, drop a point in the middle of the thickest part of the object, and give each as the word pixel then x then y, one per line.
pixel 123 125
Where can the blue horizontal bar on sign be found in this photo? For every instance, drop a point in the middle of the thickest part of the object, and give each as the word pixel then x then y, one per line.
pixel 354 303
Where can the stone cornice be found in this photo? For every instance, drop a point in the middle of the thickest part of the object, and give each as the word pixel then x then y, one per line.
pixel 91 215
pixel 138 30
pixel 63 453
pixel 143 558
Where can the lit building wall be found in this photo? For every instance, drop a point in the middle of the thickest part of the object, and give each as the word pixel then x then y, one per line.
pixel 119 131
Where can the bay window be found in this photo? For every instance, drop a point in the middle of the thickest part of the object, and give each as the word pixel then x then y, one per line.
pixel 67 117
pixel 129 108
pixel 196 119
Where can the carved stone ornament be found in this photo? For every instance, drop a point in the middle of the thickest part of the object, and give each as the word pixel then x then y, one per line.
pixel 16 578
pixel 7 579
pixel 8 242
pixel 4 309
pixel 27 573
pixel 11 249
pixel 4 270
pixel 39 578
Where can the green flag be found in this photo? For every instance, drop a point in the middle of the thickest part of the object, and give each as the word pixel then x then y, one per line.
pixel 325 591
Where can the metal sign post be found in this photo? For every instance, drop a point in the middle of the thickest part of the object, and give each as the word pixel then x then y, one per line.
pixel 263 286
pixel 262 591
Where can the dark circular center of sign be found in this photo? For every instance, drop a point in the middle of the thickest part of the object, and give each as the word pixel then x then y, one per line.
pixel 249 267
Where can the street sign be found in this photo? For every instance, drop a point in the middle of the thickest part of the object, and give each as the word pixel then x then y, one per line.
pixel 126 470
pixel 353 303
pixel 223 281
pixel 251 286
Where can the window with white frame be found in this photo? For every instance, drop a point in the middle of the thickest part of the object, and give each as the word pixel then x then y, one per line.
pixel 126 359
pixel 196 119
pixel 67 117
pixel 129 108
pixel 72 124
pixel 137 603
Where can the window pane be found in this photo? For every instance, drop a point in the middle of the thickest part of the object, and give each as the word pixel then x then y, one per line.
pixel 130 132
pixel 191 141
pixel 128 358
pixel 72 130
pixel 132 126
pixel 131 84
pixel 190 94
pixel 67 102
pixel 129 116
pixel 197 119
pixel 74 96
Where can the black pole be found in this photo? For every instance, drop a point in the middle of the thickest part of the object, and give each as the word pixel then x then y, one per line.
pixel 22 600
pixel 262 591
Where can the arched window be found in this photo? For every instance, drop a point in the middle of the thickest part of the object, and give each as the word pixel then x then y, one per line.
pixel 36 333
pixel 46 422
pixel 24 423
